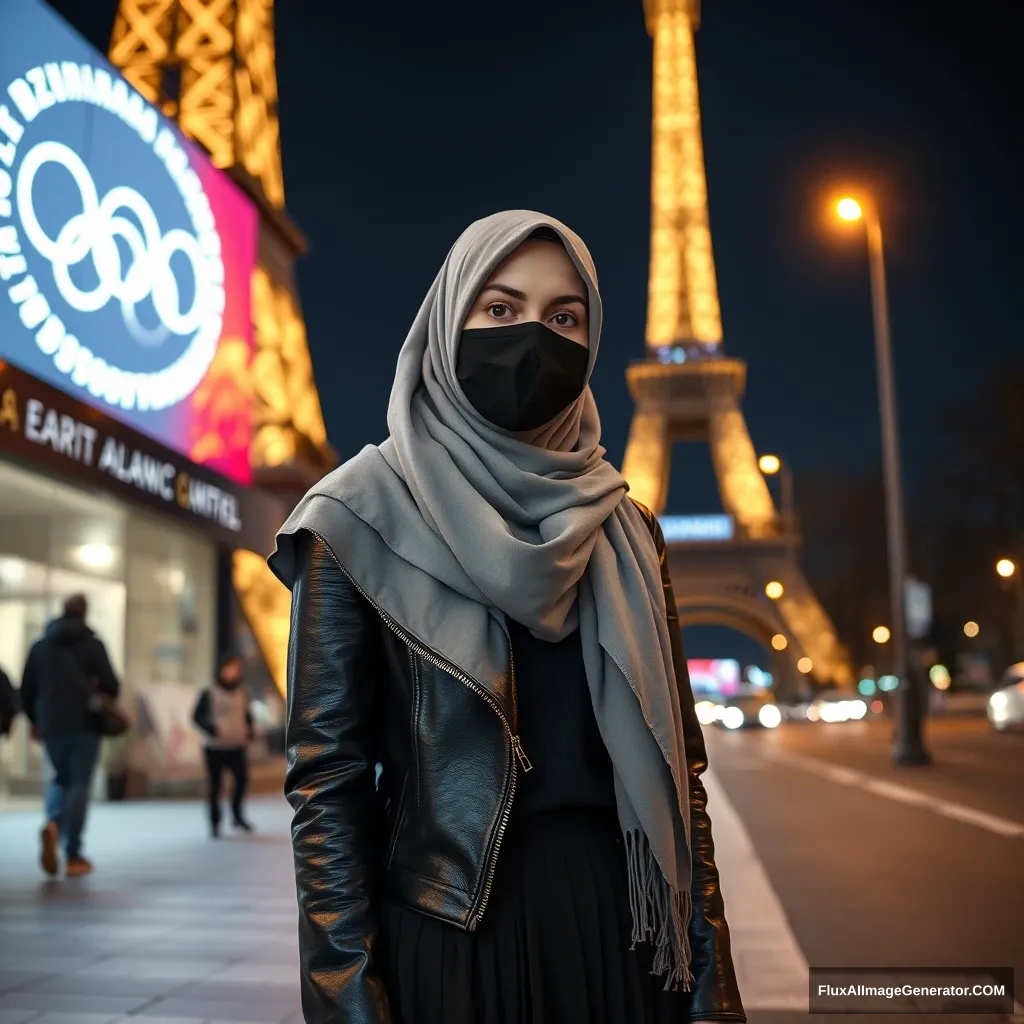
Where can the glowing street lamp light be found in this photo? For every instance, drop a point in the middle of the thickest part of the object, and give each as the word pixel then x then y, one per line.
pixel 971 629
pixel 769 464
pixel 774 590
pixel 804 665
pixel 881 634
pixel 849 209
pixel 779 642
pixel 1005 568
pixel 909 747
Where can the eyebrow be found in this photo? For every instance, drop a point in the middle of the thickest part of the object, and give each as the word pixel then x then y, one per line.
pixel 515 293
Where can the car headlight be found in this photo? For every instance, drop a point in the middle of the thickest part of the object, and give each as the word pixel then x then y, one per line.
pixel 707 712
pixel 769 716
pixel 732 718
pixel 998 701
pixel 835 711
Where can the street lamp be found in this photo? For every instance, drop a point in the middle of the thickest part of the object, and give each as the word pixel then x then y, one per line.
pixel 771 465
pixel 909 748
pixel 881 634
pixel 1006 568
pixel 774 589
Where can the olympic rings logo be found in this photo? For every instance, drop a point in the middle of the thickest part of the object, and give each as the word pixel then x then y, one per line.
pixel 93 234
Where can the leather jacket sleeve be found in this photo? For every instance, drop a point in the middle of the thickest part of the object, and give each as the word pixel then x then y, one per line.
pixel 715 994
pixel 333 668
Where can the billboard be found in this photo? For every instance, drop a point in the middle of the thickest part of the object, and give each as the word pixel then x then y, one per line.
pixel 126 258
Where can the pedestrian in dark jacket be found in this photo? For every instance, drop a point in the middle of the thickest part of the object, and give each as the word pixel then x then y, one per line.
pixel 223 715
pixel 64 670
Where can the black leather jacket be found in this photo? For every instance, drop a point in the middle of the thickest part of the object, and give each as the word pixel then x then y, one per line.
pixel 362 692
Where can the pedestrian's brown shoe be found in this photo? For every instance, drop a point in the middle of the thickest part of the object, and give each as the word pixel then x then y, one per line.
pixel 77 866
pixel 49 838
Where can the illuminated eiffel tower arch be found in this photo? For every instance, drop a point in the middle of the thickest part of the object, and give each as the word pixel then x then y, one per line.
pixel 686 389
pixel 210 65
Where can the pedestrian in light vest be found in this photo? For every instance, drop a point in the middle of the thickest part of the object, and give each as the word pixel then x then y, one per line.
pixel 223 715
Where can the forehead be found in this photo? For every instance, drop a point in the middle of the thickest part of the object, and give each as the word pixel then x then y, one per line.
pixel 538 259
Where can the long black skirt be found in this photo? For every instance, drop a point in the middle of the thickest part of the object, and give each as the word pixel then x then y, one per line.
pixel 553 946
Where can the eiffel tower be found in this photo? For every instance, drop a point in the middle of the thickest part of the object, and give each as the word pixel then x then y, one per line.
pixel 687 389
pixel 210 65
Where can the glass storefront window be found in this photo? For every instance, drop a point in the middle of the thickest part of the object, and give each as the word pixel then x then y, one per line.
pixel 151 587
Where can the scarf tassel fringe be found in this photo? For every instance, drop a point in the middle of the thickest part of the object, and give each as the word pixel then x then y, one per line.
pixel 661 916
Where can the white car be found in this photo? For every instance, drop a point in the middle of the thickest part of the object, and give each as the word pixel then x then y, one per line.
pixel 740 711
pixel 1006 706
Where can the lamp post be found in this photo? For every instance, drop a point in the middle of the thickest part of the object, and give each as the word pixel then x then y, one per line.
pixel 909 746
pixel 771 465
pixel 1009 571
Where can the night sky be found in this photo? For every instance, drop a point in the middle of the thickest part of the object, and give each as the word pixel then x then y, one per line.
pixel 404 121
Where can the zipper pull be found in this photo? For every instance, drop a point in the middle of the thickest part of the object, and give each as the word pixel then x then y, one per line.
pixel 521 754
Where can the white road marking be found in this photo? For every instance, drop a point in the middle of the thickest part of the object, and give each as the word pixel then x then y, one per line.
pixel 901 794
pixel 894 791
pixel 847 776
pixel 1001 826
pixel 770 966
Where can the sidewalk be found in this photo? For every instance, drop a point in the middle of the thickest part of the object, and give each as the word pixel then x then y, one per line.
pixel 175 929
pixel 171 929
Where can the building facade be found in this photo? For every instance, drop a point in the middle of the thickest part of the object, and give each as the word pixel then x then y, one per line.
pixel 128 265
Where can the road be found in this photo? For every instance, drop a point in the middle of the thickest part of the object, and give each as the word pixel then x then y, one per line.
pixel 878 866
pixel 972 763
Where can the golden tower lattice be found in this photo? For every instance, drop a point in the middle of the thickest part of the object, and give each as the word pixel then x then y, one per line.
pixel 210 65
pixel 688 390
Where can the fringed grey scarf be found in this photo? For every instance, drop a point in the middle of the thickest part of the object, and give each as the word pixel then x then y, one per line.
pixel 452 524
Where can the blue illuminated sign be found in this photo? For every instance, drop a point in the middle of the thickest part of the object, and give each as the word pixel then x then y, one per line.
pixel 697 528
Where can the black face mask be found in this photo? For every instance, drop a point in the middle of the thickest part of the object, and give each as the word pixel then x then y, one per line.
pixel 520 376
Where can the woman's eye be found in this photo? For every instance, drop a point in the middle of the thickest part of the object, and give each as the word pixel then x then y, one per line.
pixel 498 310
pixel 565 319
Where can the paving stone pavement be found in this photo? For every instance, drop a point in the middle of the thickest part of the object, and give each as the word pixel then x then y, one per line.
pixel 172 928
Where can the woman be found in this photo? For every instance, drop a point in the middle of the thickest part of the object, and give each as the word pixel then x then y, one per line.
pixel 480 610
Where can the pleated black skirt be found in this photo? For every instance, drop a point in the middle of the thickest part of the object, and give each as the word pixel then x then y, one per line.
pixel 553 946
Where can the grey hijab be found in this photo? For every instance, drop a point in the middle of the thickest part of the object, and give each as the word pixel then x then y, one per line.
pixel 453 524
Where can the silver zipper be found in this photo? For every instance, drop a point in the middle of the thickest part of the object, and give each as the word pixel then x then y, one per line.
pixel 438 662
